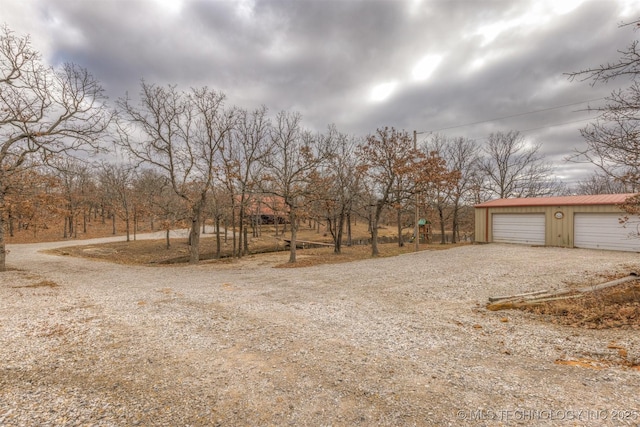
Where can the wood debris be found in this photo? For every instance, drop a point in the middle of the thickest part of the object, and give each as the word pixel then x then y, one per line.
pixel 538 297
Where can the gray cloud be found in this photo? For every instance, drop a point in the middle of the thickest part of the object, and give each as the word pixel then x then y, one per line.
pixel 324 58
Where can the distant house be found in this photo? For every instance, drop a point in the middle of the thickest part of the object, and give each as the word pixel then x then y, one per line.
pixel 265 209
pixel 573 221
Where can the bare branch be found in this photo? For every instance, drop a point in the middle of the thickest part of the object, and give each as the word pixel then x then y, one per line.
pixel 627 66
pixel 45 113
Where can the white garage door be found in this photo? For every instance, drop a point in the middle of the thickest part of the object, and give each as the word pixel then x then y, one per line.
pixel 604 231
pixel 519 228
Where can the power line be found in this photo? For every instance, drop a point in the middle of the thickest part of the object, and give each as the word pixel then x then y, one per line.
pixel 527 130
pixel 513 115
pixel 556 124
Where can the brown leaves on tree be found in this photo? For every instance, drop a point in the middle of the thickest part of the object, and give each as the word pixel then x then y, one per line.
pixel 398 171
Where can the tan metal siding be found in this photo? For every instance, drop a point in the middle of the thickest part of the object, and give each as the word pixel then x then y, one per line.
pixel 558 231
pixel 480 225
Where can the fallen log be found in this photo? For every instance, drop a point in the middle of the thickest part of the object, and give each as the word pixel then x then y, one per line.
pixel 630 277
pixel 513 304
pixel 539 297
pixel 507 297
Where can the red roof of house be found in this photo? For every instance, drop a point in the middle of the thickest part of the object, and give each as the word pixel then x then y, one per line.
pixel 262 204
pixel 596 199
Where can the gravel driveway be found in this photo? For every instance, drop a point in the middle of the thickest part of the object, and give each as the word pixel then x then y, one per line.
pixel 391 341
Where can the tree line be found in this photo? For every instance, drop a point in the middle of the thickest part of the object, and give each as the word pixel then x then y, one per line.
pixel 189 155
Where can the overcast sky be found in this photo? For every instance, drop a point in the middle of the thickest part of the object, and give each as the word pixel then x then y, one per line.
pixel 428 65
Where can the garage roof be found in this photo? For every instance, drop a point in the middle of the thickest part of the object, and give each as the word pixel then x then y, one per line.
pixel 597 199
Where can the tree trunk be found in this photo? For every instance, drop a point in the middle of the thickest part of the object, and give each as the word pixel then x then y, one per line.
pixel 339 230
pixel 113 223
pixel 194 239
pixel 374 240
pixel 11 221
pixel 242 235
pixel 441 218
pixel 168 240
pixel 349 236
pixel 70 226
pixel 225 231
pixel 233 233
pixel 294 232
pixel 255 224
pixel 331 225
pixel 399 220
pixel 127 223
pixel 374 228
pixel 246 241
pixel 455 226
pixel 218 242
pixel 3 250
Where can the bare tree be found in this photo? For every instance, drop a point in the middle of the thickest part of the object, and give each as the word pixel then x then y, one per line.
pixel 180 134
pixel 613 140
pixel 77 187
pixel 34 200
pixel 219 210
pixel 117 181
pixel 340 183
pixel 43 112
pixel 462 155
pixel 385 158
pixel 599 183
pixel 627 66
pixel 154 193
pixel 241 154
pixel 291 166
pixel 511 167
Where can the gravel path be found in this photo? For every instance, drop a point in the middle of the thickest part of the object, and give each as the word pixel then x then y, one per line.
pixel 391 341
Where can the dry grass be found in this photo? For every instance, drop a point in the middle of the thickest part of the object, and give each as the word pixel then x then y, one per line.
pixel 154 252
pixel 616 307
pixel 133 252
pixel 320 256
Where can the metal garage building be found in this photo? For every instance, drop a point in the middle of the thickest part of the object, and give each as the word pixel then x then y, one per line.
pixel 571 221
